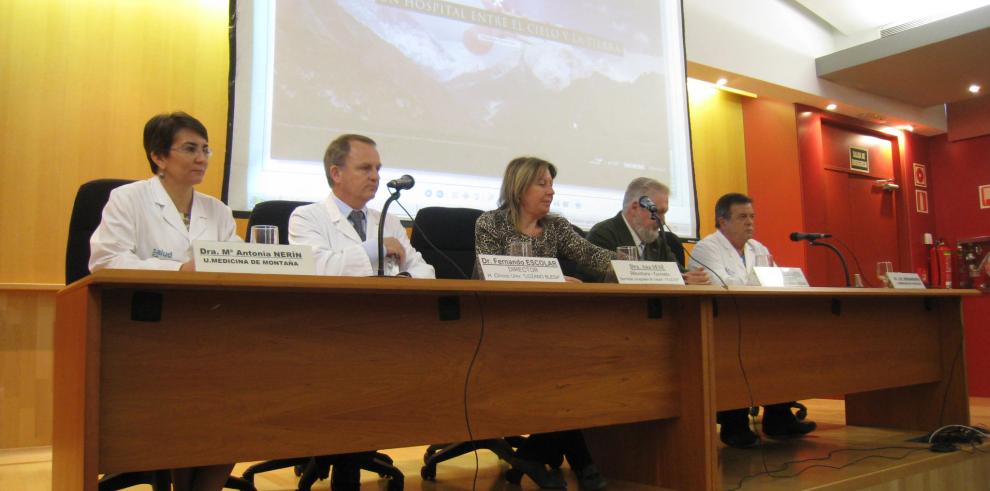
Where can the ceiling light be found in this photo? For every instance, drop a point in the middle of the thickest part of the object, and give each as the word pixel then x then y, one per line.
pixel 832 107
pixel 906 127
pixel 974 88
pixel 722 81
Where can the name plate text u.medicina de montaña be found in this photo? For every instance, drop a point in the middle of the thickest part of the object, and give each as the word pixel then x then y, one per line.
pixel 240 257
pixel 513 268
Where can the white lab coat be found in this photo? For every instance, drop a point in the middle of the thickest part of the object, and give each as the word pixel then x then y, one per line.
pixel 142 229
pixel 337 249
pixel 716 252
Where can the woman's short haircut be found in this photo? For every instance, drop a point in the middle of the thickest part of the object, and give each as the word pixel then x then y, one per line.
pixel 520 174
pixel 723 207
pixel 338 150
pixel 160 130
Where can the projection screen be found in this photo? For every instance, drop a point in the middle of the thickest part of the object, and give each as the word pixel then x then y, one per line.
pixel 452 91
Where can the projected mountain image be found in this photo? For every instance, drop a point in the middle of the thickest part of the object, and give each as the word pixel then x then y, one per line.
pixel 508 95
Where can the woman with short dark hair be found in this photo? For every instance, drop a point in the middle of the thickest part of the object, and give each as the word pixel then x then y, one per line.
pixel 151 224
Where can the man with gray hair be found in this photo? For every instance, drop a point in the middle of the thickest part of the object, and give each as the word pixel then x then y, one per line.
pixel 635 226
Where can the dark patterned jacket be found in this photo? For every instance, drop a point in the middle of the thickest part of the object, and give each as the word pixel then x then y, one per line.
pixel 494 231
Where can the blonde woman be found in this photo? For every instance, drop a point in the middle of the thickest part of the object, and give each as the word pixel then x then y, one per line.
pixel 524 214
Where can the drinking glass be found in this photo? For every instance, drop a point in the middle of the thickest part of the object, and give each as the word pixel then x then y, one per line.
pixel 521 248
pixel 264 234
pixel 628 253
pixel 391 266
pixel 764 260
pixel 884 267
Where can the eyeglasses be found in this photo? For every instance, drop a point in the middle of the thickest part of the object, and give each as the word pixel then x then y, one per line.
pixel 193 150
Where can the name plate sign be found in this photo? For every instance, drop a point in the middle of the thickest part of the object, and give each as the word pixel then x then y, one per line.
pixel 241 257
pixel 515 268
pixel 647 272
pixel 906 281
pixel 779 277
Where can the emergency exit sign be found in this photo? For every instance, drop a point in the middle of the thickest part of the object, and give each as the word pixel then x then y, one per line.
pixel 859 159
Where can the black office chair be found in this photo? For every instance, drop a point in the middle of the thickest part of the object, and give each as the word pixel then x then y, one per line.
pixel 346 467
pixel 87 212
pixel 675 244
pixel 275 212
pixel 452 232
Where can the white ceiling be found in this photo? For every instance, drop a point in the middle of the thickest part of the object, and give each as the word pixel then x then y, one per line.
pixel 855 16
pixel 927 65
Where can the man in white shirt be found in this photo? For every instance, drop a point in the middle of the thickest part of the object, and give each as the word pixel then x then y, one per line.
pixel 730 253
pixel 341 229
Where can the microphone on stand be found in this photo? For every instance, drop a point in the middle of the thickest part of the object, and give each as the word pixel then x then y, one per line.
pixel 404 182
pixel 813 239
pixel 799 236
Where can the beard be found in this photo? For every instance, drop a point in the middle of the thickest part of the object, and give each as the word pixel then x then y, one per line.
pixel 648 235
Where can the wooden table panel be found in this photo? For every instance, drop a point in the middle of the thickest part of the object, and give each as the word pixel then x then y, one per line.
pixel 799 348
pixel 562 363
pixel 254 375
pixel 247 367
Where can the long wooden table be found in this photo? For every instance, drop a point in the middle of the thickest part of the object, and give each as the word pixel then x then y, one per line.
pixel 164 369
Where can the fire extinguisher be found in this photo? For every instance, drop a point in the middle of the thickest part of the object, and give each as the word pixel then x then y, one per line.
pixel 943 261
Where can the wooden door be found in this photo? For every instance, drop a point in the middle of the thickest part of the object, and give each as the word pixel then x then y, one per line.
pixel 860 212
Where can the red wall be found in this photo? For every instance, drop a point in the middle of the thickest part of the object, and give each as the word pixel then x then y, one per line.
pixel 957 169
pixel 784 156
pixel 813 127
pixel 917 149
pixel 773 177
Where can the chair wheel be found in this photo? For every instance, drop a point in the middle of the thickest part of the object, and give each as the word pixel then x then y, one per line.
pixel 428 473
pixel 513 476
pixel 430 452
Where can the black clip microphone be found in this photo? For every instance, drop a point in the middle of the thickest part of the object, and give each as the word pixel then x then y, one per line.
pixel 799 236
pixel 646 202
pixel 402 183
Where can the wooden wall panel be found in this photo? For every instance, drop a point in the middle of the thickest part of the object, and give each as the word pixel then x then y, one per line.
pixel 79 81
pixel 717 142
pixel 26 322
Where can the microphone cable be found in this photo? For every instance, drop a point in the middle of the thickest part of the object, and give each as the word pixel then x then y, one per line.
pixel 477 346
pixel 775 473
pixel 663 225
pixel 742 368
pixel 852 253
